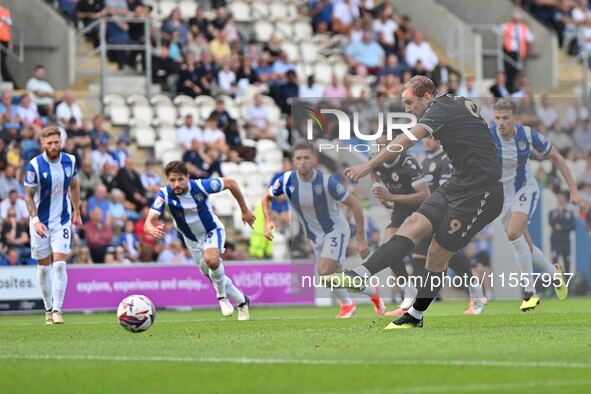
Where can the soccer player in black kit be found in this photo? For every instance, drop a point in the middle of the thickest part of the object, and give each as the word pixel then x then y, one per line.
pixel 439 170
pixel 456 211
pixel 406 187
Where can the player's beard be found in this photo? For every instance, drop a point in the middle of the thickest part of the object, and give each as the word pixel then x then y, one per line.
pixel 180 190
pixel 53 155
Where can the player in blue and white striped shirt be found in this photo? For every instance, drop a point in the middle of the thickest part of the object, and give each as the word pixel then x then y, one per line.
pixel 53 200
pixel 314 197
pixel 515 143
pixel 187 201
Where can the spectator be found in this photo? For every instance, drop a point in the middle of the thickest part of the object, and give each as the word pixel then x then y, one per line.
pixel 88 179
pixel 523 89
pixel 83 256
pixel 560 140
pixel 321 13
pixel 222 116
pixel 148 246
pixel 287 92
pixel 9 116
pixel 42 91
pixel 500 89
pixel 335 89
pixel 129 241
pixel 200 25
pixel 213 137
pixel 311 91
pixel 14 154
pixel 385 28
pixel 8 182
pixel 281 67
pixel 151 182
pixel 188 132
pixel 109 175
pixel 98 133
pixel 517 39
pixel 102 155
pixel 12 258
pixel 344 14
pixel 29 143
pixel 189 78
pixel 419 55
pixel 98 235
pixel 392 67
pixel 128 180
pixel 89 11
pixel 226 80
pixel 256 118
pixel 101 201
pixel 574 115
pixel 117 209
pixel 562 221
pixel 5 41
pixel 121 153
pixel 200 163
pixel 68 112
pixel 367 52
pixel 231 254
pixel 15 234
pixel 468 88
pixel 581 17
pixel 444 74
pixel 547 113
pixel 28 114
pixel 219 47
pixel 120 256
pixel 582 137
pixel 15 203
pixel 173 254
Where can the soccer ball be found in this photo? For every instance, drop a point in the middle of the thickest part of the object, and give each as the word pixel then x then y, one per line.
pixel 136 313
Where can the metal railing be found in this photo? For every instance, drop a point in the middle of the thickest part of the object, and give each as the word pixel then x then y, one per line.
pixel 104 46
pixel 18 36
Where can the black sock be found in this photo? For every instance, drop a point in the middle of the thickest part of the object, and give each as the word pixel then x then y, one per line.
pixel 432 283
pixel 399 268
pixel 461 265
pixel 389 254
pixel 418 266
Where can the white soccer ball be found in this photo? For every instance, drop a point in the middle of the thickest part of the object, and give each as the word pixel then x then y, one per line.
pixel 136 313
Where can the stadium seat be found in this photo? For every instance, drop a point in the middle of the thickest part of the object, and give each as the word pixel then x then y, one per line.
pixel 145 136
pixel 284 29
pixel 231 106
pixel 187 8
pixel 193 110
pixel 303 70
pixel 302 30
pixel 340 69
pixel 274 114
pixel 142 114
pixel 292 51
pixel 182 100
pixel 259 10
pixel 163 145
pixel 240 11
pixel 263 30
pixel 322 72
pixel 161 99
pixel 230 168
pixel 167 133
pixel 222 205
pixel 309 52
pixel 206 105
pixel 278 10
pixel 166 7
pixel 137 99
pixel 166 115
pixel 119 114
pixel 110 99
pixel 171 155
pixel 247 168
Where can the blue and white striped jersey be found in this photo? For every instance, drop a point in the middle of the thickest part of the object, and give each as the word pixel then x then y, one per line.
pixel 192 212
pixel 514 154
pixel 315 202
pixel 52 182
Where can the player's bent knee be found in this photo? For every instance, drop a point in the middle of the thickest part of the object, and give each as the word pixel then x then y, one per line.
pixel 327 267
pixel 512 235
pixel 416 227
pixel 212 258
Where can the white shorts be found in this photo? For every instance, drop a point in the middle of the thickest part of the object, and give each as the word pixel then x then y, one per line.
pixel 333 246
pixel 215 239
pixel 525 201
pixel 57 240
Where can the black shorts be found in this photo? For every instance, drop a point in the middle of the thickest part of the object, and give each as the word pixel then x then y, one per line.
pixel 422 247
pixel 399 215
pixel 456 219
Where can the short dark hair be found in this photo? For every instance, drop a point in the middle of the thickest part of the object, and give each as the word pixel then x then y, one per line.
pixel 177 167
pixel 420 85
pixel 506 104
pixel 303 145
pixel 39 66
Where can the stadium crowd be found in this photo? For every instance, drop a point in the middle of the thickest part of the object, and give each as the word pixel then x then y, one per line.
pixel 202 56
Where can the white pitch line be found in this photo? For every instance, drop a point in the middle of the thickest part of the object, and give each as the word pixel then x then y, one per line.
pixel 470 388
pixel 253 360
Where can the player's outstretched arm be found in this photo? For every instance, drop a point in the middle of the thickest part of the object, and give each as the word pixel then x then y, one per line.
pixel 352 202
pixel 40 228
pixel 559 161
pixel 75 197
pixel 269 224
pixel 247 215
pixel 387 153
pixel 150 227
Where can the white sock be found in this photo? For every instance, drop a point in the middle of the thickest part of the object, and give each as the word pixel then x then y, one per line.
pixel 475 291
pixel 370 291
pixel 44 275
pixel 233 292
pixel 410 291
pixel 489 294
pixel 540 260
pixel 416 314
pixel 362 271
pixel 523 256
pixel 60 282
pixel 343 296
pixel 218 278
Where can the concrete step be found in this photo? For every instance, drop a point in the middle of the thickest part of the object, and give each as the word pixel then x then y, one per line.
pixel 124 85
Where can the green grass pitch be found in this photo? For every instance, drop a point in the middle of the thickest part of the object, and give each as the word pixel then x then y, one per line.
pixel 289 350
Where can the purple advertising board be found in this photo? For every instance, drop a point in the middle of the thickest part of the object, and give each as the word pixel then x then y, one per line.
pixel 168 286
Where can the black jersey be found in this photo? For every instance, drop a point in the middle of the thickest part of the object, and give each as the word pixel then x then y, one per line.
pixel 454 121
pixel 401 175
pixel 438 169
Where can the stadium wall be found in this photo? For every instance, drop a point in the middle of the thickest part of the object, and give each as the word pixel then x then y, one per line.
pixel 542 70
pixel 48 39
